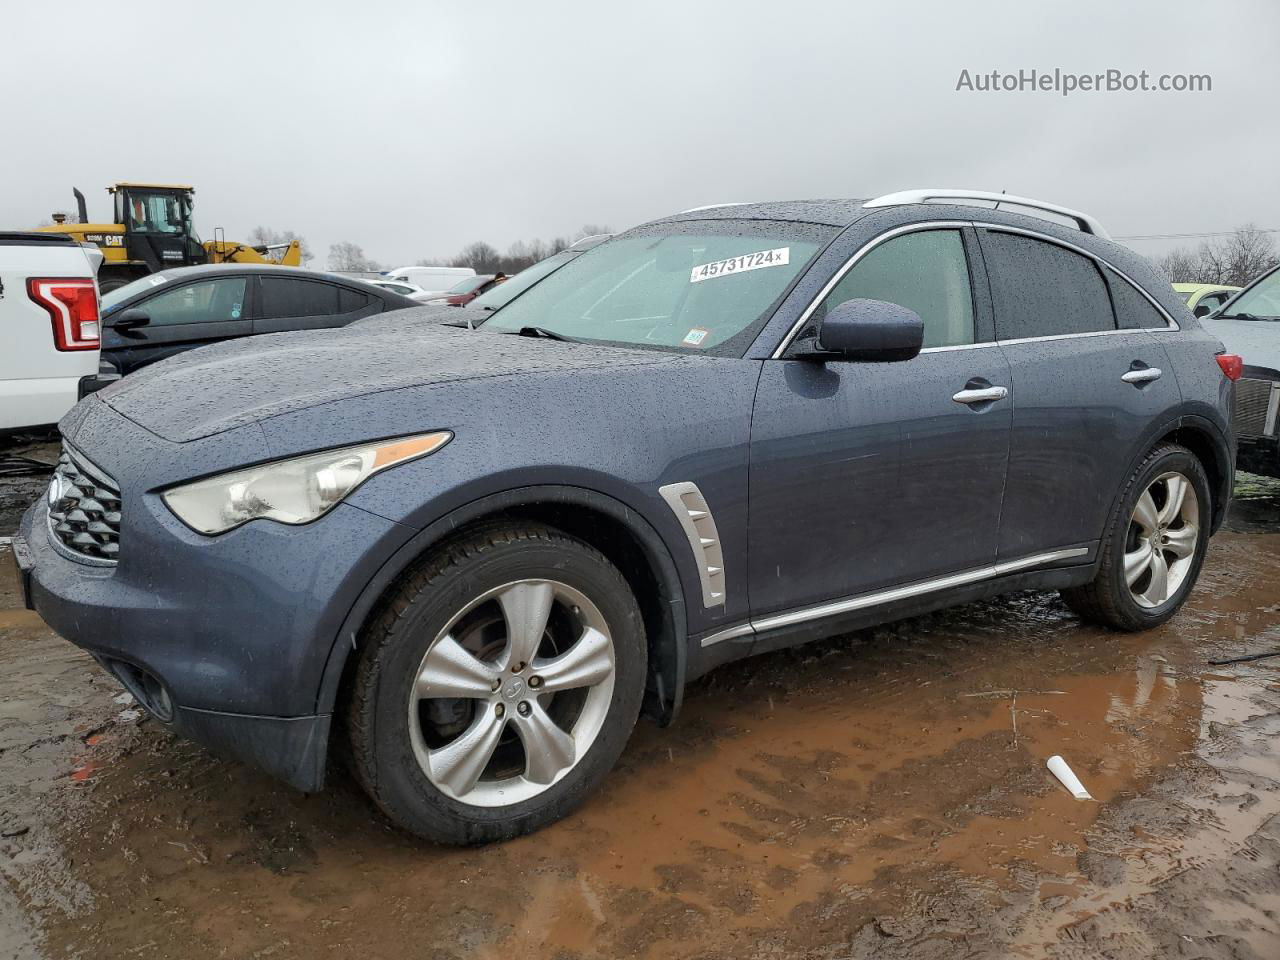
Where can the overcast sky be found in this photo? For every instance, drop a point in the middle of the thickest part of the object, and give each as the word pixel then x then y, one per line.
pixel 413 128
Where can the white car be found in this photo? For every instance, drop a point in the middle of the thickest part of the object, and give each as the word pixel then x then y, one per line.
pixel 1249 325
pixel 49 336
pixel 402 287
pixel 435 281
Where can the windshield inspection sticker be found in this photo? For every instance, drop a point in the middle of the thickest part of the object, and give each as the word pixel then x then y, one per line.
pixel 748 261
pixel 695 337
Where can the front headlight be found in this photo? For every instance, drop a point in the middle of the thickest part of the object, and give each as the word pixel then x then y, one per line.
pixel 297 490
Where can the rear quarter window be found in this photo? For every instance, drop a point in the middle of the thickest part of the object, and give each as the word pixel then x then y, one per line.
pixel 1133 310
pixel 351 300
pixel 1040 289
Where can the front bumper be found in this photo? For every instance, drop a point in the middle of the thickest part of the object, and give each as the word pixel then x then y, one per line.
pixel 235 630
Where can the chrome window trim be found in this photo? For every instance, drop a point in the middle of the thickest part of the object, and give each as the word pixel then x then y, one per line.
pixel 1037 235
pixel 848 265
pixel 1068 336
pixel 866 600
pixel 960 346
pixel 999 227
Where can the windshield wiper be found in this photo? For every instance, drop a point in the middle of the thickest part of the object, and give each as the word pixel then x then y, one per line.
pixel 1244 316
pixel 544 332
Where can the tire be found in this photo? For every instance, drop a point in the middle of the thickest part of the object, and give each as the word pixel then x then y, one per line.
pixel 417 704
pixel 106 286
pixel 1109 599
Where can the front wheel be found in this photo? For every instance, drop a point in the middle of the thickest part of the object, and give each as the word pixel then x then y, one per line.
pixel 115 283
pixel 1155 546
pixel 498 686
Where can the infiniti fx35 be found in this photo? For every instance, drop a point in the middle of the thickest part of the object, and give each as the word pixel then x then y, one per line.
pixel 472 555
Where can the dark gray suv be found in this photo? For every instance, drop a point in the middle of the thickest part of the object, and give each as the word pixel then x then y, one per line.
pixel 476 555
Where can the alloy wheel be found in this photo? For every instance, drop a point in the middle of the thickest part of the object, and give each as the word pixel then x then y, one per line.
pixel 512 693
pixel 1161 544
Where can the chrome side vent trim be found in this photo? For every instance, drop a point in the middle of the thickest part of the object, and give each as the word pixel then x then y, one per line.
pixel 690 507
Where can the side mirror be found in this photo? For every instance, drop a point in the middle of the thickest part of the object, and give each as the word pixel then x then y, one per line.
pixel 869 330
pixel 1202 310
pixel 131 319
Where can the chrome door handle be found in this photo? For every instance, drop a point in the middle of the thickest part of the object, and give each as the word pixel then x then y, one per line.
pixel 985 395
pixel 1142 375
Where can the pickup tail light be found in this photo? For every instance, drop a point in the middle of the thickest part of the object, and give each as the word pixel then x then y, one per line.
pixel 1232 365
pixel 72 305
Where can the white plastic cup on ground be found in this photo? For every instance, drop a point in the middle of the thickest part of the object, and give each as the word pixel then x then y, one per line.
pixel 1066 776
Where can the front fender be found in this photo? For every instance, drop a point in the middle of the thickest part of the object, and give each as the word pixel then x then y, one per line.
pixel 669 668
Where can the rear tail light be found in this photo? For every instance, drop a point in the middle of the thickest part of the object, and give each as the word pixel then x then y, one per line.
pixel 1232 365
pixel 72 305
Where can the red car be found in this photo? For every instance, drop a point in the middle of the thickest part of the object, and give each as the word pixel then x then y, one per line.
pixel 463 292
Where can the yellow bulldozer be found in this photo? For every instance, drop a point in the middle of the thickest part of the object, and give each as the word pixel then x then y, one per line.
pixel 152 231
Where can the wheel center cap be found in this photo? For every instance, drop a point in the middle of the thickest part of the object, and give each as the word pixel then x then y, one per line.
pixel 514 689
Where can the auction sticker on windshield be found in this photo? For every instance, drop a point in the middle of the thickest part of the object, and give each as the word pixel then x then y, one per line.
pixel 748 261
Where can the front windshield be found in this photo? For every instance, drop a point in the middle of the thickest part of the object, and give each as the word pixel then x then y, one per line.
pixel 1261 300
pixel 703 286
pixel 508 290
pixel 113 298
pixel 159 212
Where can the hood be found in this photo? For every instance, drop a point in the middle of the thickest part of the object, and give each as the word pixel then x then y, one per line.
pixel 1258 341
pixel 213 389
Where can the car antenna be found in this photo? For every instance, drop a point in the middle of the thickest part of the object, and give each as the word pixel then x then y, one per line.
pixel 997 206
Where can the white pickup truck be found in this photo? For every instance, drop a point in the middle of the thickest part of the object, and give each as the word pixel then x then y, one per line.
pixel 48 326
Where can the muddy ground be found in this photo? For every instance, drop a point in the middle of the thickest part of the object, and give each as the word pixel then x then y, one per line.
pixel 883 794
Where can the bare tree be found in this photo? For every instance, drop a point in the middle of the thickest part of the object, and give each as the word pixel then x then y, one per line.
pixel 349 258
pixel 1181 265
pixel 484 257
pixel 479 256
pixel 1235 259
pixel 265 236
pixel 1245 254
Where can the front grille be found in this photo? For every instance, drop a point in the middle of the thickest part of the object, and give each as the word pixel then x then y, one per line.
pixel 1255 410
pixel 84 509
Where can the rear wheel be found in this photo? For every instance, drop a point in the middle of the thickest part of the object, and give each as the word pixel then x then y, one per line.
pixel 498 687
pixel 1155 547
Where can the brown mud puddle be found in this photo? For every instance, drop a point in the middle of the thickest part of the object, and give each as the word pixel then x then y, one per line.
pixel 882 794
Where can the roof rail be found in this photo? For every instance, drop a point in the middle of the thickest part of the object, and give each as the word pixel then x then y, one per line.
pixel 1086 223
pixel 712 206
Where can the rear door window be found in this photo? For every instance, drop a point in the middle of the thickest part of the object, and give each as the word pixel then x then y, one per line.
pixel 284 297
pixel 1040 289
